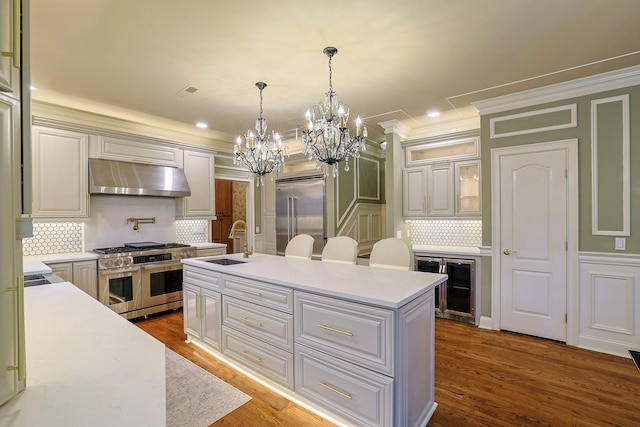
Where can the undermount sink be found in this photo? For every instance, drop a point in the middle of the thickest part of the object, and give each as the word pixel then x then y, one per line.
pixel 225 261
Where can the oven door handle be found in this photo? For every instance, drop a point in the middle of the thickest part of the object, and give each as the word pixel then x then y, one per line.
pixel 119 271
pixel 162 264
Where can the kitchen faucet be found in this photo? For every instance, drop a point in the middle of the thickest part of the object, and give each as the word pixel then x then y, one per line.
pixel 246 251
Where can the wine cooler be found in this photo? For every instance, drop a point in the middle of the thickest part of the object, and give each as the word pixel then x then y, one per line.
pixel 455 299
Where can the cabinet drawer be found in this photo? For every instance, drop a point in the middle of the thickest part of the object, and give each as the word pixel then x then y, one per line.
pixel 277 297
pixel 266 324
pixel 264 359
pixel 359 333
pixel 199 277
pixel 357 394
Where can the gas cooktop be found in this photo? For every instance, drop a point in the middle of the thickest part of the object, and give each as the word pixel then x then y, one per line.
pixel 139 246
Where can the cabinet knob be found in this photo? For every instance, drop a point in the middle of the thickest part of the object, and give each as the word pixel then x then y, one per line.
pixel 507 252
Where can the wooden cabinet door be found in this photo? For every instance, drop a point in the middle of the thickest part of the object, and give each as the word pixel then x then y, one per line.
pixel 414 192
pixel 224 197
pixel 440 193
pixel 64 270
pixel 85 277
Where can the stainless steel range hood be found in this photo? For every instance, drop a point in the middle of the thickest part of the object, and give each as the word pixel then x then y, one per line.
pixel 136 179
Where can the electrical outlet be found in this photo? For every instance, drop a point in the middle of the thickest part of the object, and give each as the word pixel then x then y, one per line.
pixel 257 230
pixel 621 244
pixel 399 234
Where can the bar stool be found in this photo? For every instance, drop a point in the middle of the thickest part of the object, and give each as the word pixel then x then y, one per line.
pixel 340 249
pixel 301 246
pixel 391 253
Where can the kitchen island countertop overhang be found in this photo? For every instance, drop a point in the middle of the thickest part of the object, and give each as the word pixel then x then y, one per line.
pixel 388 288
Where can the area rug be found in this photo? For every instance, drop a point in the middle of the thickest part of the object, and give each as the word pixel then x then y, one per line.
pixel 196 398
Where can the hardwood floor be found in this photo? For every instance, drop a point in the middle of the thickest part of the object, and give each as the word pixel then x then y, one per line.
pixel 482 378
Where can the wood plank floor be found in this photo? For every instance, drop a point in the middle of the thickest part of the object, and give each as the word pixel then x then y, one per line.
pixel 482 378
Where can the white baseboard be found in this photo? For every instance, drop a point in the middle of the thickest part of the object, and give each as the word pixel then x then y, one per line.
pixel 485 322
pixel 606 346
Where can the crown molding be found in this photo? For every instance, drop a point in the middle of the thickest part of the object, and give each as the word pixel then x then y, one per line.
pixel 617 79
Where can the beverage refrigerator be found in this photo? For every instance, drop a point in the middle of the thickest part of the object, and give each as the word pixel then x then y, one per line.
pixel 455 298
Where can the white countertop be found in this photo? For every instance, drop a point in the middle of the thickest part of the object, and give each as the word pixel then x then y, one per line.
pixel 86 366
pixel 207 245
pixel 378 286
pixel 35 264
pixel 447 250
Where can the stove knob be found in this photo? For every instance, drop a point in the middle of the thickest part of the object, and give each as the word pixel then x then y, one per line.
pixel 108 263
pixel 118 262
pixel 128 261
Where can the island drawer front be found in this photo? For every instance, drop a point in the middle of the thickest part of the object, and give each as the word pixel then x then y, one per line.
pixel 262 293
pixel 266 360
pixel 355 332
pixel 272 326
pixel 355 393
pixel 200 277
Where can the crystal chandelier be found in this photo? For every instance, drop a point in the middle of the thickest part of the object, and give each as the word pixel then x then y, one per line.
pixel 326 137
pixel 261 153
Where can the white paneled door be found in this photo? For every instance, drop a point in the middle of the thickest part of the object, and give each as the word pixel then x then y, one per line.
pixel 533 243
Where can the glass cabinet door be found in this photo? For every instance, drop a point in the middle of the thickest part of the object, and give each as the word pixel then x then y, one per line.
pixel 468 201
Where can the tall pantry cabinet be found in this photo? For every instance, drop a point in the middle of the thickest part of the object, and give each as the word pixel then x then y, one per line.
pixel 15 189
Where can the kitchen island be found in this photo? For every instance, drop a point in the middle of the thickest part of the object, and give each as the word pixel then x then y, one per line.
pixel 85 365
pixel 351 343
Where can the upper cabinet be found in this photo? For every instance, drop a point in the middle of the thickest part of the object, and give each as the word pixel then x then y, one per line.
pixel 60 173
pixel 128 150
pixel 199 169
pixel 10 47
pixel 441 177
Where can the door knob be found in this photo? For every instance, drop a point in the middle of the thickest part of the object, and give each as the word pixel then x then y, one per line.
pixel 507 252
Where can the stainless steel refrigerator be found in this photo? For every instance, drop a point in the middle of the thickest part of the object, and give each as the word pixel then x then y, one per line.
pixel 300 209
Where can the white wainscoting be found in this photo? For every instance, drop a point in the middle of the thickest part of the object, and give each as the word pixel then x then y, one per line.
pixel 366 225
pixel 609 302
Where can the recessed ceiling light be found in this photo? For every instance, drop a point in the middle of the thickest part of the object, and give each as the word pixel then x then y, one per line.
pixel 433 113
pixel 202 125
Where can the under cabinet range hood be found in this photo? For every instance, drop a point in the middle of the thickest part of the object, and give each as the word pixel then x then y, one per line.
pixel 136 179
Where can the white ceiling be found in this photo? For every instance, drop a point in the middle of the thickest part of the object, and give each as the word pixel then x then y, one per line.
pixel 396 60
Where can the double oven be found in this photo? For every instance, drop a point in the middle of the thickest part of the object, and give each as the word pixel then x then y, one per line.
pixel 142 278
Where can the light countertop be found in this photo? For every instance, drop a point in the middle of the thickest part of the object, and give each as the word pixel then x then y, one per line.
pixel 378 286
pixel 208 245
pixel 86 365
pixel 35 264
pixel 447 250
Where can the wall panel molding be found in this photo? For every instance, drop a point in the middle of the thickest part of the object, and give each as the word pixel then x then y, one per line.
pixel 602 147
pixel 570 123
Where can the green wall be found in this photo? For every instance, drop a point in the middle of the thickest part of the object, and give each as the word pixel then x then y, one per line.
pixel 609 161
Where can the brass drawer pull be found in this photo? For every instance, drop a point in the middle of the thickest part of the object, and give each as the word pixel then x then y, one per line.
pixel 247 291
pixel 335 390
pixel 339 331
pixel 252 357
pixel 252 321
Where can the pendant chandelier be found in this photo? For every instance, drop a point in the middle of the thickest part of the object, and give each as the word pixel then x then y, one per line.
pixel 260 153
pixel 326 137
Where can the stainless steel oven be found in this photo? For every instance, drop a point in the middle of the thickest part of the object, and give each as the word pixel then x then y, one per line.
pixel 142 278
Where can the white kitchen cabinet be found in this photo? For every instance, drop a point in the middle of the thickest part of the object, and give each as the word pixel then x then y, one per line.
pixel 83 274
pixel 441 177
pixel 133 151
pixel 201 306
pixel 414 192
pixel 14 130
pixel 467 188
pixel 199 170
pixel 9 43
pixel 60 173
pixel 440 190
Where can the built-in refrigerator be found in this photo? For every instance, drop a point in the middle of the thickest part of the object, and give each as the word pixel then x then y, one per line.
pixel 300 209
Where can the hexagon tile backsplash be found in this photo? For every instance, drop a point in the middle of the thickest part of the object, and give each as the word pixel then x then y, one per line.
pixel 466 233
pixel 54 238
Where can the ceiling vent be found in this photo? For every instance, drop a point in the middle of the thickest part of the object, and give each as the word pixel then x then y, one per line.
pixel 188 90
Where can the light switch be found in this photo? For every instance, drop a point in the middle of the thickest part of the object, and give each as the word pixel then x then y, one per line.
pixel 399 234
pixel 621 244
